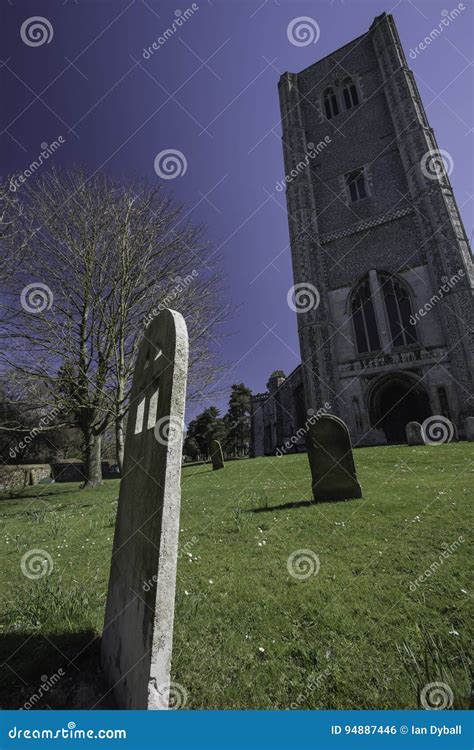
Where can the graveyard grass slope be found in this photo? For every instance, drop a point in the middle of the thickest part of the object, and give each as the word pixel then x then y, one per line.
pixel 247 633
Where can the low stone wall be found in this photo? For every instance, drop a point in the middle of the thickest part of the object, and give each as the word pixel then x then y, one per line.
pixel 25 475
pixel 72 470
pixel 68 471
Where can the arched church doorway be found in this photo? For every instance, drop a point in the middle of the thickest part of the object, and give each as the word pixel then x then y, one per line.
pixel 395 400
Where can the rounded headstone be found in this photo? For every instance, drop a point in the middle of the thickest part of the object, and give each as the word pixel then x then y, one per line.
pixel 414 434
pixel 138 629
pixel 217 457
pixel 331 461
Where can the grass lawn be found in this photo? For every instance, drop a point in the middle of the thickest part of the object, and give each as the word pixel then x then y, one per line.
pixel 247 633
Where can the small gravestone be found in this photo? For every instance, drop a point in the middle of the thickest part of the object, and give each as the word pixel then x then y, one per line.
pixel 414 433
pixel 469 427
pixel 217 457
pixel 138 629
pixel 330 458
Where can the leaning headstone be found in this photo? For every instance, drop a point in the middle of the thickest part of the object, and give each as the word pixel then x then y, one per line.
pixel 469 427
pixel 414 434
pixel 330 458
pixel 138 629
pixel 217 457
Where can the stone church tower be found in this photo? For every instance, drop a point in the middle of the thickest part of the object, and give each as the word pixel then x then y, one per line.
pixel 377 243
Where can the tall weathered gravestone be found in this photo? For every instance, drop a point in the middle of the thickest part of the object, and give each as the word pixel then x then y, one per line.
pixel 138 629
pixel 414 434
pixel 330 458
pixel 217 457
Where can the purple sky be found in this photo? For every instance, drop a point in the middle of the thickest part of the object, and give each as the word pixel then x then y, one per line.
pixel 211 92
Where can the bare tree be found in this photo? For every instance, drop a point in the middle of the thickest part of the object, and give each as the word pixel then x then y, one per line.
pixel 10 211
pixel 102 259
pixel 161 262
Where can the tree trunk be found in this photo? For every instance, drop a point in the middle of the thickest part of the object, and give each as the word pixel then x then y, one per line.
pixel 119 404
pixel 119 442
pixel 92 464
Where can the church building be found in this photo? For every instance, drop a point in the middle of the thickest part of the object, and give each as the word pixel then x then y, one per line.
pixel 383 273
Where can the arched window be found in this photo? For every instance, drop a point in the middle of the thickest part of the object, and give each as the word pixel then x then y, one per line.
pixel 331 106
pixel 349 93
pixel 355 182
pixel 363 315
pixel 398 306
